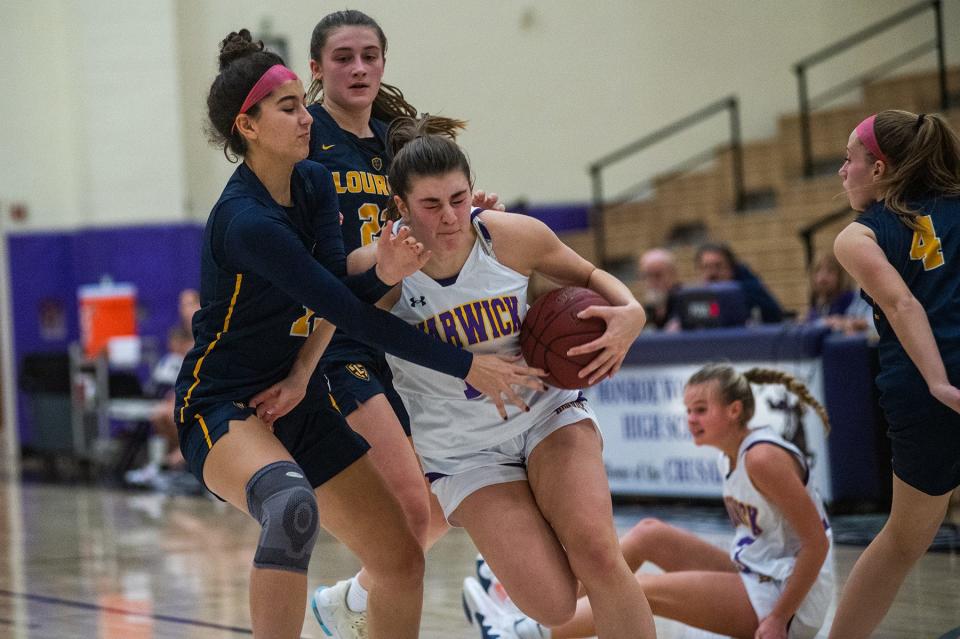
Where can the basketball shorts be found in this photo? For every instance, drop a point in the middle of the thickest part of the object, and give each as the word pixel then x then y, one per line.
pixel 319 440
pixel 764 593
pixel 453 479
pixel 926 450
pixel 353 383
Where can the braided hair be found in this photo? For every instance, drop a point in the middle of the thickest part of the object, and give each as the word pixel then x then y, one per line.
pixel 795 386
pixel 734 386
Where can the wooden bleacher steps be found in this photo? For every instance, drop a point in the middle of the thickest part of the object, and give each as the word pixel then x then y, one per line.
pixel 766 239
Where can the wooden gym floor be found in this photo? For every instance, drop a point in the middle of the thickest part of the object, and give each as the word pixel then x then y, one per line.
pixel 80 561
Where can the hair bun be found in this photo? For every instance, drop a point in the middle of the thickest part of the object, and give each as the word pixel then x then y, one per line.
pixel 237 45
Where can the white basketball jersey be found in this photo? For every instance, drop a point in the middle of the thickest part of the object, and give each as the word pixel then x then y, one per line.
pixel 764 542
pixel 481 309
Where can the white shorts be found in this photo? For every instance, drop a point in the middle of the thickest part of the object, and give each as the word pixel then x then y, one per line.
pixel 453 479
pixel 765 592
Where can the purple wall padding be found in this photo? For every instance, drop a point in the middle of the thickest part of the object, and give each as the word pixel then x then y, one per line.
pixel 47 268
pixel 562 217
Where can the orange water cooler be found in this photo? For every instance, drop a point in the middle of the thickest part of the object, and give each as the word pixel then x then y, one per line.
pixel 107 310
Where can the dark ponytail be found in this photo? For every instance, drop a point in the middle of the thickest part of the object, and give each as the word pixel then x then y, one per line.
pixel 924 154
pixel 422 147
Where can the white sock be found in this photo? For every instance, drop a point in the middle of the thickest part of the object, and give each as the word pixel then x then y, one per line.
pixel 530 629
pixel 356 596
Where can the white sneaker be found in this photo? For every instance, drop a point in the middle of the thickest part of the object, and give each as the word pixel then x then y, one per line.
pixel 481 610
pixel 527 628
pixel 142 477
pixel 335 618
pixel 494 589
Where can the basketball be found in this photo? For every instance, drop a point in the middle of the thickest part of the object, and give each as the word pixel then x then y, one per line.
pixel 552 327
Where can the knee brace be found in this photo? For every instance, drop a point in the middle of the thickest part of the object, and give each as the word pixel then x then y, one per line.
pixel 282 500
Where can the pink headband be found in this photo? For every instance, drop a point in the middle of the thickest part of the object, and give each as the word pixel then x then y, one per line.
pixel 868 137
pixel 270 80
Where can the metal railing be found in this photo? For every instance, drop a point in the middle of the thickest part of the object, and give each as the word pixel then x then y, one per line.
pixel 729 104
pixel 806 234
pixel 809 103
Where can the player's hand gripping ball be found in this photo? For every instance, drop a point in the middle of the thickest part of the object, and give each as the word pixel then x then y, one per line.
pixel 552 327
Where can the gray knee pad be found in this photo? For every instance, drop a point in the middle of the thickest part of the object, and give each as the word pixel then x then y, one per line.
pixel 282 500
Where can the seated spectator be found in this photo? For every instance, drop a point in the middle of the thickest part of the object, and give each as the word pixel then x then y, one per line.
pixel 835 303
pixel 717 263
pixel 164 378
pixel 188 304
pixel 830 290
pixel 657 269
pixel 163 447
pixel 856 320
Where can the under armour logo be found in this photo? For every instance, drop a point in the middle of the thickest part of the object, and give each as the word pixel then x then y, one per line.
pixel 422 301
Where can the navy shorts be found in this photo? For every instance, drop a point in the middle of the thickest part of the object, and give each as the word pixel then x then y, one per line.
pixel 353 383
pixel 202 426
pixel 319 439
pixel 926 450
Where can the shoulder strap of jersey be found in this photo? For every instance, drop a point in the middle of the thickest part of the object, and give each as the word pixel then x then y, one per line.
pixel 486 242
pixel 768 436
pixel 324 121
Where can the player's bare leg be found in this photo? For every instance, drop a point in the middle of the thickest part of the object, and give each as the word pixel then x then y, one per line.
pixel 377 534
pixel 671 549
pixel 714 601
pixel 277 597
pixel 875 579
pixel 509 530
pixel 391 453
pixel 567 476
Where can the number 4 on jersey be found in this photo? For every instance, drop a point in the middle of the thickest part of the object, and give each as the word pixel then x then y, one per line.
pixel 926 245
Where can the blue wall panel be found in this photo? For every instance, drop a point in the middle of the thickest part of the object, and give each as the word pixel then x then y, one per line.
pixel 47 268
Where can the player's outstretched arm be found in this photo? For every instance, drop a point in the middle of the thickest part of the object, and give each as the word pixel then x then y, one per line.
pixel 776 475
pixel 624 323
pixel 527 244
pixel 394 255
pixel 277 254
pixel 857 250
pixel 496 375
pixel 279 399
pixel 488 201
pixel 362 259
pixel 398 255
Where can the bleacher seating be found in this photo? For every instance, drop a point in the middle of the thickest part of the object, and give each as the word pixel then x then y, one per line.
pixel 767 238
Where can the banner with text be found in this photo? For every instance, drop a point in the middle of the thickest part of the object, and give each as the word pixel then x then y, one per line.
pixel 648 450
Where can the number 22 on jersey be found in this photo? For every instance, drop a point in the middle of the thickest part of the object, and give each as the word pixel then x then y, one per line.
pixel 926 245
pixel 370 216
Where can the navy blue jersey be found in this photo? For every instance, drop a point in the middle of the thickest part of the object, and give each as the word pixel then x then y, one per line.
pixel 929 263
pixel 262 267
pixel 359 168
